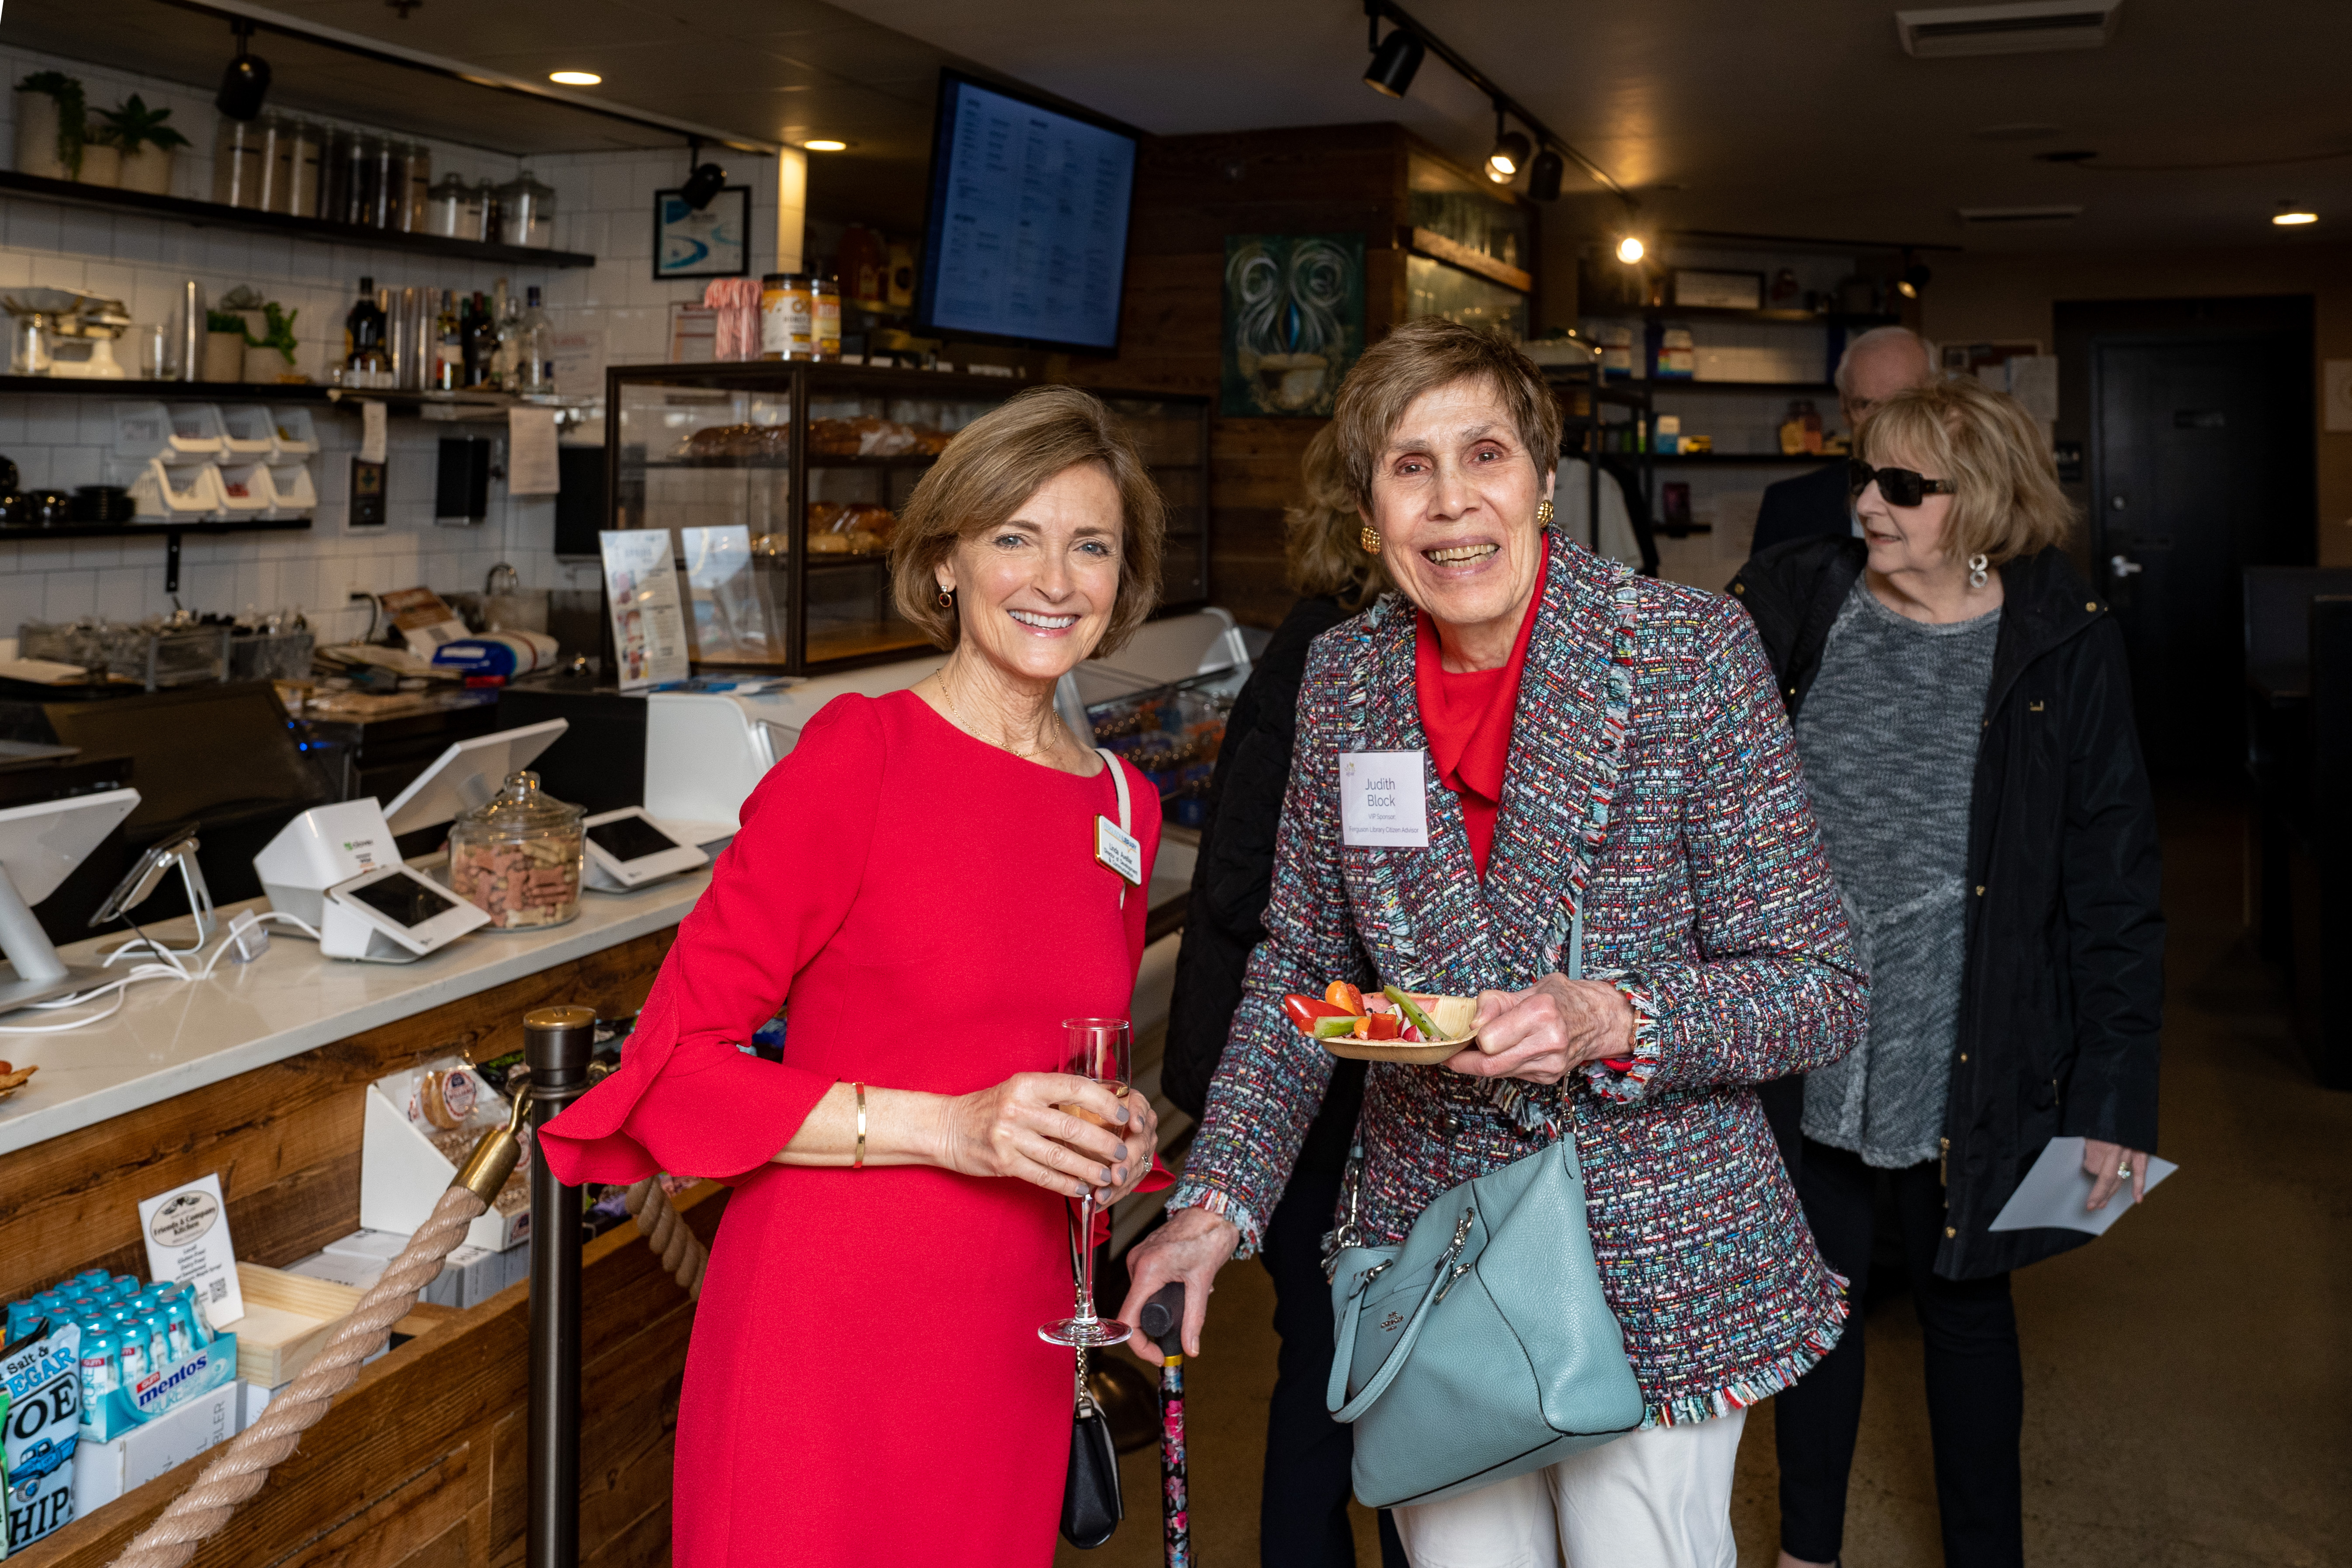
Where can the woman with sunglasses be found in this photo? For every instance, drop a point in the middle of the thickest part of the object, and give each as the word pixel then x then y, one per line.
pixel 1963 713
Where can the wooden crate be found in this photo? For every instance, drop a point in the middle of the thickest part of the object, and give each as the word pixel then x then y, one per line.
pixel 288 1318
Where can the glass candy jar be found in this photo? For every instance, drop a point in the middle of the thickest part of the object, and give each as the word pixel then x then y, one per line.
pixel 526 212
pixel 518 857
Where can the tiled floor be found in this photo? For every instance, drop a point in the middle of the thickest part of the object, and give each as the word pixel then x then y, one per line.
pixel 2188 1389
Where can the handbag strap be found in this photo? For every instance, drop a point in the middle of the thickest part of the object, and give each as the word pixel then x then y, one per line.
pixel 1335 1395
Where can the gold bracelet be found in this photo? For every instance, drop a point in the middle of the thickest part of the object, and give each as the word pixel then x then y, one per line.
pixel 858 1161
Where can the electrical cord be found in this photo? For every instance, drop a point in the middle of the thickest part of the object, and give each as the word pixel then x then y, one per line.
pixel 169 969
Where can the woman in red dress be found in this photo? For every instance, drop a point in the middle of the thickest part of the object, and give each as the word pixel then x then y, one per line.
pixel 918 881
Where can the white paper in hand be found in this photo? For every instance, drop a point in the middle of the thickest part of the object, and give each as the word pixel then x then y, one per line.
pixel 2053 1195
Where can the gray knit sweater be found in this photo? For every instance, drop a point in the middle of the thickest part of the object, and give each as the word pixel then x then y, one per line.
pixel 1889 738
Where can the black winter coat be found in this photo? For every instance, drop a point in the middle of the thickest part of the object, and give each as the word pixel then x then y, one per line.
pixel 2063 991
pixel 1233 879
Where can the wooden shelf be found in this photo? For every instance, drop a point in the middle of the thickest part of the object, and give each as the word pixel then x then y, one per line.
pixel 1718 313
pixel 1742 459
pixel 69 193
pixel 1794 389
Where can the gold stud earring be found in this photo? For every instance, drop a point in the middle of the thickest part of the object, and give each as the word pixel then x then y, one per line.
pixel 1543 512
pixel 1370 540
pixel 947 598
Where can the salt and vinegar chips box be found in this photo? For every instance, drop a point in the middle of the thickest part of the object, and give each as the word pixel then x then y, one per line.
pixel 42 1378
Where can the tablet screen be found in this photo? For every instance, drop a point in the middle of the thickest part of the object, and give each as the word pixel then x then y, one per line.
pixel 406 901
pixel 628 839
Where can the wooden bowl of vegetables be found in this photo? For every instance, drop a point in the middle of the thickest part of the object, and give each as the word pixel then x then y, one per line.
pixel 1411 1028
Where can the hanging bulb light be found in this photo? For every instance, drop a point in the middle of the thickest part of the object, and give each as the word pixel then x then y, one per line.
pixel 245 82
pixel 1545 175
pixel 1394 62
pixel 1630 249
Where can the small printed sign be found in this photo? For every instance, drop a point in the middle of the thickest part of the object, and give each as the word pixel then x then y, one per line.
pixel 186 1231
pixel 1383 800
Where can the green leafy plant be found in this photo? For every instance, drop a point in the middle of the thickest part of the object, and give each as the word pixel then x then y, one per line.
pixel 131 125
pixel 73 122
pixel 281 333
pixel 277 322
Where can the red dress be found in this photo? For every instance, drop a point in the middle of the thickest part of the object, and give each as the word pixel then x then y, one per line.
pixel 865 1383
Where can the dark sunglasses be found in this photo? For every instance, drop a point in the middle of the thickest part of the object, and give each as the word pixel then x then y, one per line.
pixel 1901 487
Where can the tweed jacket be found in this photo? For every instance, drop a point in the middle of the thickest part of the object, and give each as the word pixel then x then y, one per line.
pixel 1651 774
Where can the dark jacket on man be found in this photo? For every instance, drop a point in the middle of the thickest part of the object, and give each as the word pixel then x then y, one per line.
pixel 1818 502
pixel 1233 879
pixel 2063 995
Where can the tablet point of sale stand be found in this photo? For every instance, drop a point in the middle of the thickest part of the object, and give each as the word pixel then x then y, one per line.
pixel 336 865
pixel 39 846
pixel 628 849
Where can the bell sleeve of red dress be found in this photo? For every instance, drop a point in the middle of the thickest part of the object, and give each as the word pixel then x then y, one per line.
pixel 687 1098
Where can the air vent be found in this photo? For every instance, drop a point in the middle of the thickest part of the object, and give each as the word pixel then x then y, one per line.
pixel 2020 214
pixel 2035 28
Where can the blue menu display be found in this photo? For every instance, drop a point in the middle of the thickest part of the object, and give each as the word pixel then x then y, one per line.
pixel 1028 221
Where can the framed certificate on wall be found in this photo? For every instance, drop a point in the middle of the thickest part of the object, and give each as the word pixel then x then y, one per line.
pixel 715 242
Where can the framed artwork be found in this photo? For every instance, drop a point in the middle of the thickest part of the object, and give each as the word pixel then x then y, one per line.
pixel 1294 322
pixel 713 243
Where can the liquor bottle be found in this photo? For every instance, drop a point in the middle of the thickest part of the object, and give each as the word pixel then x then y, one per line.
pixel 448 347
pixel 506 319
pixel 364 351
pixel 529 348
pixel 477 340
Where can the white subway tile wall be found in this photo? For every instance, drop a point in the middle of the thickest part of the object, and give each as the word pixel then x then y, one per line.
pixel 604 206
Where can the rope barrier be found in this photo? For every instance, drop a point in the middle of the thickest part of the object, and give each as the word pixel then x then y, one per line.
pixel 200 1513
pixel 680 1250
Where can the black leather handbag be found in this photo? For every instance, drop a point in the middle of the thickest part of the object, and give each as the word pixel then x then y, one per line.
pixel 1091 1506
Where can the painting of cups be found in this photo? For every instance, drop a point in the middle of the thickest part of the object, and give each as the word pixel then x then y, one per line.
pixel 1294 322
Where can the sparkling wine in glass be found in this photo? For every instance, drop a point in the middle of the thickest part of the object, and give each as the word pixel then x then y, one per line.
pixel 1100 1050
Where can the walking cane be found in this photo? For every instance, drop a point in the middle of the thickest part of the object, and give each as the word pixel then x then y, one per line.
pixel 1162 1321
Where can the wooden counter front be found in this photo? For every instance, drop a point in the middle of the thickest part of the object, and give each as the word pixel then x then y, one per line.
pixel 422 1460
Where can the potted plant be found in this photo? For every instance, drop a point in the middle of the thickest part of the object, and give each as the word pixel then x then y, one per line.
pixel 50 125
pixel 271 357
pixel 144 143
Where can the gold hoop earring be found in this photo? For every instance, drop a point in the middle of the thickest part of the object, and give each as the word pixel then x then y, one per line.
pixel 1543 512
pixel 947 598
pixel 1370 540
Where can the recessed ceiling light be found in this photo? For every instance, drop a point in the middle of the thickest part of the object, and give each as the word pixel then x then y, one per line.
pixel 574 78
pixel 826 144
pixel 2289 219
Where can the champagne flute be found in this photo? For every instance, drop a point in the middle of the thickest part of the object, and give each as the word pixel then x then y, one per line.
pixel 1100 1050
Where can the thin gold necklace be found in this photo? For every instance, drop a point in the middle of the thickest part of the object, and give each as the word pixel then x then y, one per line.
pixel 964 723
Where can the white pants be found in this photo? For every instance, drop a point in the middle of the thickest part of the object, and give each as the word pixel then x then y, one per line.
pixel 1659 1497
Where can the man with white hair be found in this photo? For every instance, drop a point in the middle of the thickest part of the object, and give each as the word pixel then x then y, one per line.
pixel 1877 365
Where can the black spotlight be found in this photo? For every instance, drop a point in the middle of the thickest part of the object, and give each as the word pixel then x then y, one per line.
pixel 703 180
pixel 245 82
pixel 1509 156
pixel 1394 63
pixel 1543 180
pixel 1915 280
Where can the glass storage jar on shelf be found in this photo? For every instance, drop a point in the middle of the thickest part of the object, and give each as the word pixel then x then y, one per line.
pixel 240 168
pixel 527 212
pixel 294 189
pixel 518 857
pixel 782 483
pixel 449 209
pixel 416 194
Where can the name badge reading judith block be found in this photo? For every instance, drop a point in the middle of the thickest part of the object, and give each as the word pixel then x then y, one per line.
pixel 1383 800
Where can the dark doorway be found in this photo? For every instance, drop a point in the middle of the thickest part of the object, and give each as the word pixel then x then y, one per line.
pixel 2196 417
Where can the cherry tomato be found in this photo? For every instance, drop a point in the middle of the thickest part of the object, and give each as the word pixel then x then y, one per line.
pixel 1344 996
pixel 1302 1012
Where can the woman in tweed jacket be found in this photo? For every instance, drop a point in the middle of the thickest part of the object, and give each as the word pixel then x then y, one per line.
pixel 1650 775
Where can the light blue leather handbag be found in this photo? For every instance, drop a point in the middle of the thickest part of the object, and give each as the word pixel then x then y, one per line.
pixel 1483 1348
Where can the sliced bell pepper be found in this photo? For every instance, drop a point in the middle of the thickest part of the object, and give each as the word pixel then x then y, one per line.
pixel 1345 997
pixel 1304 1011
pixel 1382 1026
pixel 1335 1029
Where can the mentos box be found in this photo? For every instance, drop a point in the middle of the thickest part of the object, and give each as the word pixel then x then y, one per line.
pixel 43 1380
pixel 161 1389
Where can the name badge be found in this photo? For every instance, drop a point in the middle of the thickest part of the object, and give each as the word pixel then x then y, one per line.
pixel 1383 801
pixel 1118 849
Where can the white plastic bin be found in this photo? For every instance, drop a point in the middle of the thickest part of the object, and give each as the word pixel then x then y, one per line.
pixel 197 433
pixel 294 493
pixel 245 490
pixel 297 436
pixel 148 430
pixel 246 431
pixel 165 492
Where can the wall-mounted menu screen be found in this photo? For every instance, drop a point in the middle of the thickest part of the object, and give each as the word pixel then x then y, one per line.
pixel 1028 229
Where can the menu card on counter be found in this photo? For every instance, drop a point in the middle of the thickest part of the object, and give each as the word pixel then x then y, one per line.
pixel 649 616
pixel 186 1231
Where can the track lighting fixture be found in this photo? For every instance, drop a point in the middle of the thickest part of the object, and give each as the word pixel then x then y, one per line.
pixel 1914 279
pixel 703 180
pixel 245 82
pixel 1510 153
pixel 1544 177
pixel 1395 58
pixel 1630 249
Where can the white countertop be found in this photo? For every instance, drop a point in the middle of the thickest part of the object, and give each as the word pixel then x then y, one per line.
pixel 172 1036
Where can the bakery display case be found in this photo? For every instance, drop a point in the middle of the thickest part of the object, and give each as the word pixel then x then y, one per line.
pixel 780 483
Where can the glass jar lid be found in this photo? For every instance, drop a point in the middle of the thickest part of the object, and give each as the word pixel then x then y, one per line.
pixel 522 808
pixel 525 183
